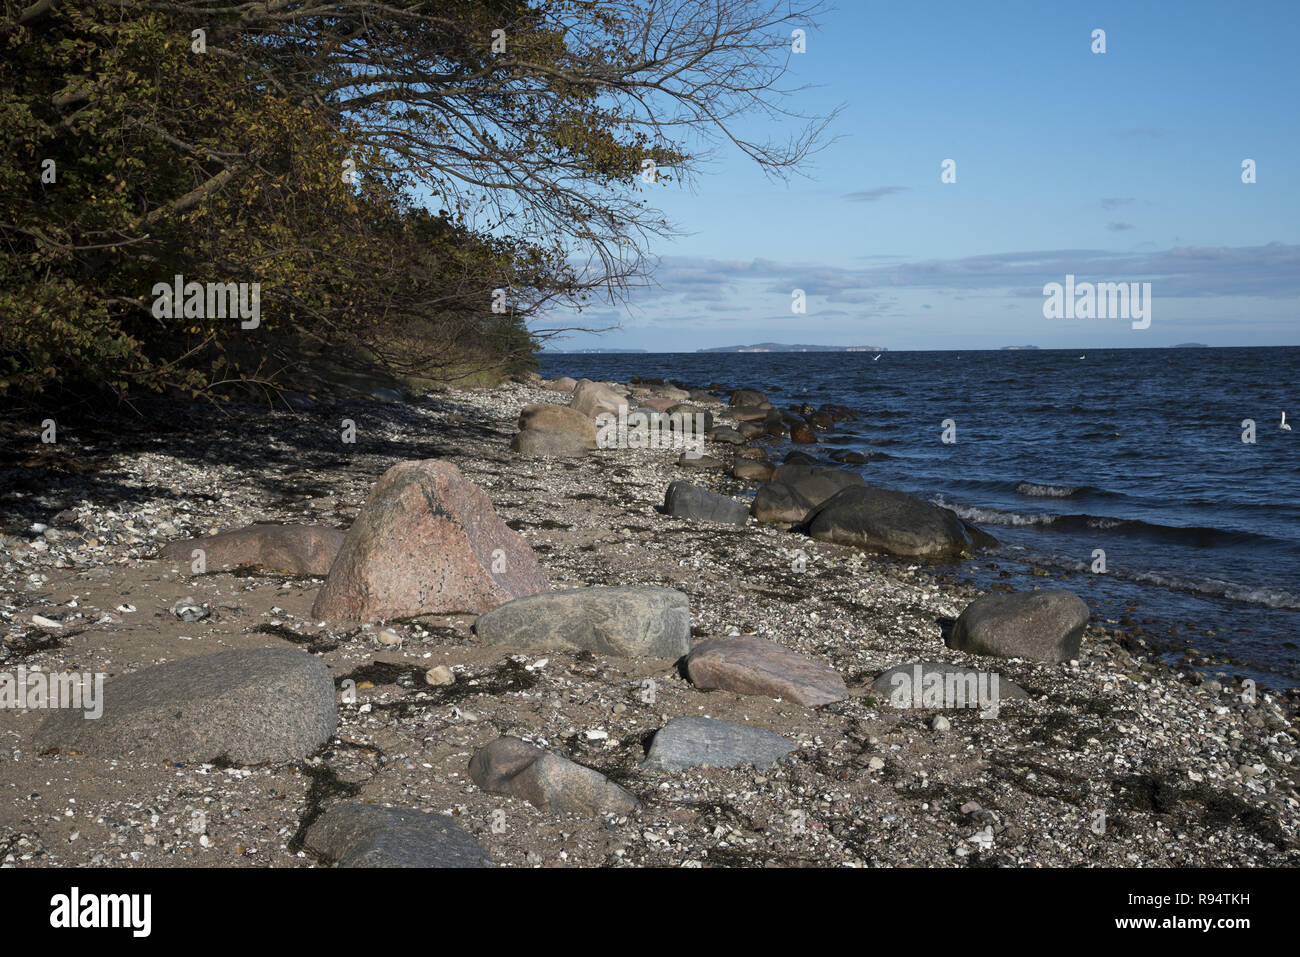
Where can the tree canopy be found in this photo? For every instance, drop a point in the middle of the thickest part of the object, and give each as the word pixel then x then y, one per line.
pixel 406 183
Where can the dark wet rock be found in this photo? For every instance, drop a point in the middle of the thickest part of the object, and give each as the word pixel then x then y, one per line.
pixel 749 430
pixel 802 434
pixel 290 549
pixel 747 397
pixel 695 741
pixel 939 684
pixel 775 427
pixel 778 504
pixel 622 620
pixel 249 706
pixel 751 665
pixel 365 835
pixel 684 500
pixel 821 420
pixel 426 541
pixel 684 409
pixel 882 520
pixel 725 434
pixel 795 457
pixel 1044 625
pixel 552 443
pixel 815 483
pixel 749 413
pixel 547 781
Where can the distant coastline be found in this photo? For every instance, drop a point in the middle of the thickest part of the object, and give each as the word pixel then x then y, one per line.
pixel 785 347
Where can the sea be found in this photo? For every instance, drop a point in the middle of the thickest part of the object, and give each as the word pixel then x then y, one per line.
pixel 1155 483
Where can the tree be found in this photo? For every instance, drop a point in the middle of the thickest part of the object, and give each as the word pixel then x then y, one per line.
pixel 500 147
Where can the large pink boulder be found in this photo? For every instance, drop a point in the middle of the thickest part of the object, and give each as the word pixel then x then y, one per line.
pixel 426 542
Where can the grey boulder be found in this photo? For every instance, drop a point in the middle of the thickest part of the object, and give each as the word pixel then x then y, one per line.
pixel 684 500
pixel 883 520
pixel 248 707
pixel 547 781
pixel 622 620
pixel 1045 625
pixel 694 741
pixel 554 443
pixel 363 835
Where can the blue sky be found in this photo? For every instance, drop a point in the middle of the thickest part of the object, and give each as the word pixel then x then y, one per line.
pixel 1116 167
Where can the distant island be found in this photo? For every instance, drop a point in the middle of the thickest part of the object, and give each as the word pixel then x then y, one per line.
pixel 1017 348
pixel 785 347
pixel 1190 345
pixel 590 352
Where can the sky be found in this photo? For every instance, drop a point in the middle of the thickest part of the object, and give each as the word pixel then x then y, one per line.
pixel 1122 166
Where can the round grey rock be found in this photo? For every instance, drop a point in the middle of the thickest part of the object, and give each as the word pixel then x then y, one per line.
pixel 248 707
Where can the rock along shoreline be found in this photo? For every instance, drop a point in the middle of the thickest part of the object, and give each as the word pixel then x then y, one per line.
pixel 581 734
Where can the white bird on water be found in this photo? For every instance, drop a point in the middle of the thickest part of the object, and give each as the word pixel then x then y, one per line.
pixel 1284 426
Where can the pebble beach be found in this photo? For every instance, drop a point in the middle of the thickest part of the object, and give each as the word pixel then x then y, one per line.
pixel 460 739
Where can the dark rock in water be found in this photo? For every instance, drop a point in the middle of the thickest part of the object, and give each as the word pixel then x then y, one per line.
pixel 625 620
pixel 547 781
pixel 747 397
pixel 883 520
pixel 427 542
pixel 290 549
pixel 816 484
pixel 750 471
pixel 703 395
pixel 688 460
pixel 1044 625
pixel 749 430
pixel 775 427
pixel 364 835
pixel 821 420
pixel 849 458
pixel 802 434
pixel 795 457
pixel 938 684
pixel 779 504
pixel 684 500
pixel 751 665
pixel 693 742
pixel 724 433
pixel 554 443
pixel 749 413
pixel 250 706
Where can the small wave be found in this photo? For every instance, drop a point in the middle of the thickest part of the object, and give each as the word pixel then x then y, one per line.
pixel 1035 490
pixel 1197 536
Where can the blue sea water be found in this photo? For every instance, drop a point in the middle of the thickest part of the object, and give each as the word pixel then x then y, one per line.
pixel 1136 452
